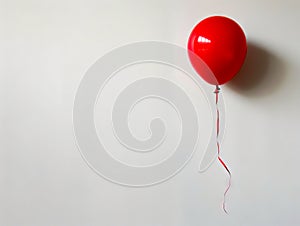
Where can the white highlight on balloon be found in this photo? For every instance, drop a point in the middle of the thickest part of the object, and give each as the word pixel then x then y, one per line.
pixel 203 40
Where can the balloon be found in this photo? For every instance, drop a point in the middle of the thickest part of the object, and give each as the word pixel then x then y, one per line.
pixel 221 44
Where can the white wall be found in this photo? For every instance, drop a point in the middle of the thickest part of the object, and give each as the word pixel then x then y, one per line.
pixel 45 49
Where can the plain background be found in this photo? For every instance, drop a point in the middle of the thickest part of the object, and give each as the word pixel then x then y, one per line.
pixel 45 49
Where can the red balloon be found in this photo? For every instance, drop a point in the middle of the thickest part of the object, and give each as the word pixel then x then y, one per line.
pixel 221 44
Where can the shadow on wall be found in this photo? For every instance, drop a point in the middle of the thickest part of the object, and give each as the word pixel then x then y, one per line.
pixel 262 73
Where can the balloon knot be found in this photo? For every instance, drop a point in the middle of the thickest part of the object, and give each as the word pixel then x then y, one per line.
pixel 217 90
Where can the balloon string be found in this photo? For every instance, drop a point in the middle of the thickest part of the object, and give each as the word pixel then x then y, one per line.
pixel 217 90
